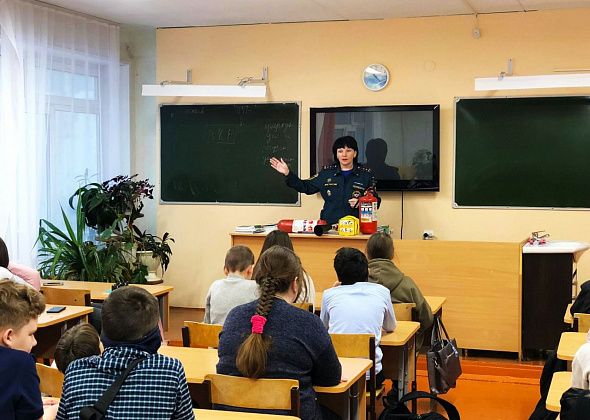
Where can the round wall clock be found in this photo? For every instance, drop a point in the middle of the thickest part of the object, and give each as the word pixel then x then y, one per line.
pixel 375 77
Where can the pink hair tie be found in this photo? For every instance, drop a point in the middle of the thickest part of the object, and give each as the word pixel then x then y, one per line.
pixel 258 322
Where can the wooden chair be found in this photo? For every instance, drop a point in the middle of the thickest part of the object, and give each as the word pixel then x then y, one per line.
pixel 583 321
pixel 51 380
pixel 60 296
pixel 306 306
pixel 403 311
pixel 361 346
pixel 201 335
pixel 267 394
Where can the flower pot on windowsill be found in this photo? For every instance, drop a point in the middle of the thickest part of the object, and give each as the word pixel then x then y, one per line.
pixel 152 264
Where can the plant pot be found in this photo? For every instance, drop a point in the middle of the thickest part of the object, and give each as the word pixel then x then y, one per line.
pixel 152 264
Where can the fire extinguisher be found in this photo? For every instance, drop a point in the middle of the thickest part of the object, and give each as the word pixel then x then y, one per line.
pixel 299 225
pixel 368 213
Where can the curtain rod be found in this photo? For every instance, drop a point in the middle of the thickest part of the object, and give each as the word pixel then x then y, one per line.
pixel 70 11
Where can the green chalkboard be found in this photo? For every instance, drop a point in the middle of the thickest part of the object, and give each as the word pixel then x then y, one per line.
pixel 523 152
pixel 220 153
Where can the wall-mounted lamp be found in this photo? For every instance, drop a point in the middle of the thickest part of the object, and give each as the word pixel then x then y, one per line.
pixel 247 87
pixel 506 81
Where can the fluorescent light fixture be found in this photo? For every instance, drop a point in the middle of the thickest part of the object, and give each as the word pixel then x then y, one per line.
pixel 533 82
pixel 218 91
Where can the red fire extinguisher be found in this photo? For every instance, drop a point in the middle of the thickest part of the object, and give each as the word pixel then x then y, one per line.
pixel 368 213
pixel 299 225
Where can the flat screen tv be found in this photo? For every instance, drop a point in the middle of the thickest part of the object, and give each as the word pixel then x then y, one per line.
pixel 400 143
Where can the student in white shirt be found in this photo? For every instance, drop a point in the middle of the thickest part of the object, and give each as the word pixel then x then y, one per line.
pixel 581 366
pixel 357 306
pixel 236 289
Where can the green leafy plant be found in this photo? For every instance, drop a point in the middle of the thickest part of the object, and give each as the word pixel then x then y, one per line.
pixel 65 255
pixel 159 246
pixel 114 201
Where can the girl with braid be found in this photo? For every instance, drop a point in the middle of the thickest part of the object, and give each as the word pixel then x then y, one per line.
pixel 270 338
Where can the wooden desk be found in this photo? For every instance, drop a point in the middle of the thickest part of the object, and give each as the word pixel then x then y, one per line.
pixel 99 292
pixel 568 318
pixel 569 343
pixel 560 383
pixel 236 415
pixel 399 354
pixel 50 328
pixel 468 273
pixel 200 362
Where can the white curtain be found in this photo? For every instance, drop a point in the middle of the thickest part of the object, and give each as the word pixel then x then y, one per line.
pixel 60 120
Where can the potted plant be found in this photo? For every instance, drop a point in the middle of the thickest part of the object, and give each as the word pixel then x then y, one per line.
pixel 153 251
pixel 65 255
pixel 108 203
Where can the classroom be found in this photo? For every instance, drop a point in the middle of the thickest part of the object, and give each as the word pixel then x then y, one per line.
pixel 315 53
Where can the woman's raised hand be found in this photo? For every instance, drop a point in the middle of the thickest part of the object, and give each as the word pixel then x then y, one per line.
pixel 279 166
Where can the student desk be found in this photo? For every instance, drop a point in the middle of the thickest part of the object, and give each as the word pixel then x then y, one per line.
pixel 560 383
pixel 469 273
pixel 99 292
pixel 50 327
pixel 568 318
pixel 236 415
pixel 569 343
pixel 199 362
pixel 399 349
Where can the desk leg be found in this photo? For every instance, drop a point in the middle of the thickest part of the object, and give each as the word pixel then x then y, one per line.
pixel 350 405
pixel 164 310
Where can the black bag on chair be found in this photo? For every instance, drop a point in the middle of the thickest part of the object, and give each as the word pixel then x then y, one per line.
pixel 397 410
pixel 442 360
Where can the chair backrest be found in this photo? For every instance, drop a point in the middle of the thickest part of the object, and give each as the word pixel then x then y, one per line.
pixel 268 394
pixel 60 296
pixel 306 306
pixel 360 346
pixel 583 322
pixel 51 380
pixel 201 335
pixel 403 311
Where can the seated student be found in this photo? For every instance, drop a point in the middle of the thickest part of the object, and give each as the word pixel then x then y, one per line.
pixel 155 389
pixel 77 342
pixel 270 338
pixel 278 237
pixel 383 271
pixel 357 306
pixel 17 273
pixel 236 289
pixel 582 303
pixel 20 398
pixel 581 367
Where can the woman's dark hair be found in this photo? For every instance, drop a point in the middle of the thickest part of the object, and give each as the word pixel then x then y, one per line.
pixel 4 260
pixel 274 272
pixel 342 142
pixel 380 245
pixel 278 237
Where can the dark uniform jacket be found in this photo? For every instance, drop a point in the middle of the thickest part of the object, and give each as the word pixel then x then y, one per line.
pixel 336 190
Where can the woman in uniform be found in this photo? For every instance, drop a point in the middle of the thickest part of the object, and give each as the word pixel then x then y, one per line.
pixel 340 184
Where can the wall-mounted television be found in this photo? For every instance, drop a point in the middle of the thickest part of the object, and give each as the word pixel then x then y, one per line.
pixel 400 143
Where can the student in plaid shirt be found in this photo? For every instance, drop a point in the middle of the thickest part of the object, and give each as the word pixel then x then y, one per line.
pixel 155 389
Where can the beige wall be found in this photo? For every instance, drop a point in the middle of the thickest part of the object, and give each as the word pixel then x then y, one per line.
pixel 431 60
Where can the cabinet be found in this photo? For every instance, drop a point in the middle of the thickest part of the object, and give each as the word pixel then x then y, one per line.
pixel 546 291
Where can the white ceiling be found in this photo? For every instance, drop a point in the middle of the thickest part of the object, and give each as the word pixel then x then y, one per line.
pixel 176 13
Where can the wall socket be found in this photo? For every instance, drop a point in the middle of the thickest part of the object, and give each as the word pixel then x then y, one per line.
pixel 428 234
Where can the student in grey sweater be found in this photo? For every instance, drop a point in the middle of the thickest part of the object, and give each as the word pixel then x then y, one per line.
pixel 270 338
pixel 236 289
